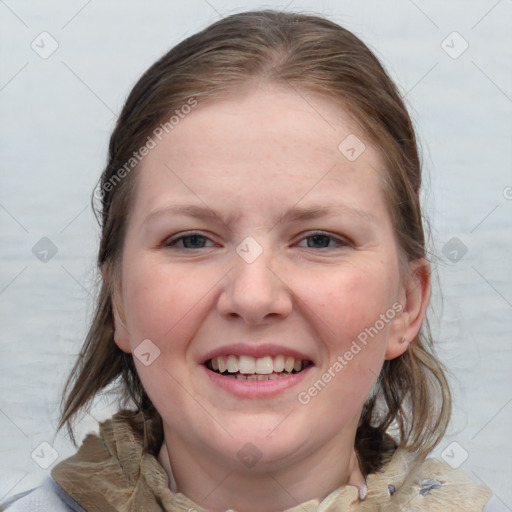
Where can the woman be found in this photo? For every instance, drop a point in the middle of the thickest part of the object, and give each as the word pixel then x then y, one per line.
pixel 264 289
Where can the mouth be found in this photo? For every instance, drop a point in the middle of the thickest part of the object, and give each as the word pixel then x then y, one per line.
pixel 248 368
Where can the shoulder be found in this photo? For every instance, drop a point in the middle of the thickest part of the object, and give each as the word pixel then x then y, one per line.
pixel 423 485
pixel 49 497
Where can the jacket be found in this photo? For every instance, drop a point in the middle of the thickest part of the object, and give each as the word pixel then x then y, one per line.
pixel 112 472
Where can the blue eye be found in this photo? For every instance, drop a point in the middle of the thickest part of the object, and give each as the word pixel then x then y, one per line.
pixel 188 241
pixel 322 240
pixel 194 240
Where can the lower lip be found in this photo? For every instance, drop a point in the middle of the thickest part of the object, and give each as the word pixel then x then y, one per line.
pixel 256 388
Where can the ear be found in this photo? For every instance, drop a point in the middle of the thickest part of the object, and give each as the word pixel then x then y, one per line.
pixel 414 298
pixel 120 330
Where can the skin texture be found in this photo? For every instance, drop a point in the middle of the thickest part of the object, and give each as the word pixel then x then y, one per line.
pixel 250 159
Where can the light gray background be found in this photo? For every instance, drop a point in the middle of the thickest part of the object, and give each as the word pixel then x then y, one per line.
pixel 56 116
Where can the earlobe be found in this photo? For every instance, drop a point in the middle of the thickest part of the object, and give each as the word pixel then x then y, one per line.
pixel 121 337
pixel 415 297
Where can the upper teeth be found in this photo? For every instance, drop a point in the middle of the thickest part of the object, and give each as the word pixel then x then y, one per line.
pixel 261 365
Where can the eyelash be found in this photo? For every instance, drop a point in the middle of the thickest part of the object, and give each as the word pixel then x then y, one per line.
pixel 339 242
pixel 171 242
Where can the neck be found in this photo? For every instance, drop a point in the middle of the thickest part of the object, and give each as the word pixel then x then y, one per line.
pixel 218 487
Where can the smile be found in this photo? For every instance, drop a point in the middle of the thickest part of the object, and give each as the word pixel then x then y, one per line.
pixel 249 368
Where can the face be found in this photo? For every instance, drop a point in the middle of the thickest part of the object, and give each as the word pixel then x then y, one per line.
pixel 259 249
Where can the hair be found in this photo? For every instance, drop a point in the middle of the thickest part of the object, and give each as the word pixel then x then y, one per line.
pixel 308 54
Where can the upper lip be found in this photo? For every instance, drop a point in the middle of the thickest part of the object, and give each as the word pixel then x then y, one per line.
pixel 256 351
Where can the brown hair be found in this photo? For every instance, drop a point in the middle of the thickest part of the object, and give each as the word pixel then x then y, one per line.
pixel 309 54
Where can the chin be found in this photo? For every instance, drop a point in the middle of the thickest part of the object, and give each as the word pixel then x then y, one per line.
pixel 264 442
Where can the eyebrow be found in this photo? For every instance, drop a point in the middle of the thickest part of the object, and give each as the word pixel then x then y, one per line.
pixel 188 210
pixel 294 214
pixel 297 214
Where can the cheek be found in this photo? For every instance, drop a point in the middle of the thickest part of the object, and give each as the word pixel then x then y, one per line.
pixel 346 310
pixel 163 302
pixel 349 302
pixel 351 307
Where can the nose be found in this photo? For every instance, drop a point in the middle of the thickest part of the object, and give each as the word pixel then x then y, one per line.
pixel 255 292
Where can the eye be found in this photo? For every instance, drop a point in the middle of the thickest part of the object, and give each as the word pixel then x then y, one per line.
pixel 321 240
pixel 191 240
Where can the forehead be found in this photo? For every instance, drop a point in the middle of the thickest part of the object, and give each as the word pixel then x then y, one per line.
pixel 267 145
